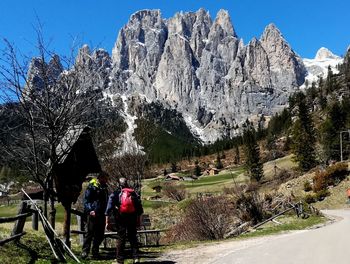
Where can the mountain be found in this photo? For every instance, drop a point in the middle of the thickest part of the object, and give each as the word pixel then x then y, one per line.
pixel 203 70
pixel 197 69
pixel 318 67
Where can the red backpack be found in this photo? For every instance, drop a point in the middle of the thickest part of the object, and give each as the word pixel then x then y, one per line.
pixel 126 201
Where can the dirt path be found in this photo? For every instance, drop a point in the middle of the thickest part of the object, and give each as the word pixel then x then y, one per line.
pixel 329 244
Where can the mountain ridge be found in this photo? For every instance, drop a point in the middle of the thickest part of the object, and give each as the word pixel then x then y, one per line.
pixel 200 68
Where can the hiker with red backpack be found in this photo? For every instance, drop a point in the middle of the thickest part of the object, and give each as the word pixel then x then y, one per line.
pixel 125 205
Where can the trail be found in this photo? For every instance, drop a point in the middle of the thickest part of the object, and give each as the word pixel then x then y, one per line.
pixel 328 244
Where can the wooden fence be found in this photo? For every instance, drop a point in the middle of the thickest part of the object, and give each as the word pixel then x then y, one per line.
pixel 149 237
pixel 20 219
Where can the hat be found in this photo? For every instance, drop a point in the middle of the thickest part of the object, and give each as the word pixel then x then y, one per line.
pixel 123 182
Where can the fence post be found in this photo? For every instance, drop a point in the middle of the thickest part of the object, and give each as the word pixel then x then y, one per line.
pixel 19 224
pixel 35 220
pixel 81 226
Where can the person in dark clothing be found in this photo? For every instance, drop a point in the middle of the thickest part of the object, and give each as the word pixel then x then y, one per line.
pixel 127 218
pixel 95 203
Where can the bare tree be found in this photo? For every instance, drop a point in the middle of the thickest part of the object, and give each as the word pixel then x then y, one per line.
pixel 132 166
pixel 205 218
pixel 129 162
pixel 175 192
pixel 48 95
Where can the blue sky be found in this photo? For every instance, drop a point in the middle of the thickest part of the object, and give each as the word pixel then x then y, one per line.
pixel 306 24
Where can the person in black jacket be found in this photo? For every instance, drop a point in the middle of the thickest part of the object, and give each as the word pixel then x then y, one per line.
pixel 95 203
pixel 125 205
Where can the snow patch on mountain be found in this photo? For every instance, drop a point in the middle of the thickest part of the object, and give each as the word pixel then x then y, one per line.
pixel 129 144
pixel 195 129
pixel 318 67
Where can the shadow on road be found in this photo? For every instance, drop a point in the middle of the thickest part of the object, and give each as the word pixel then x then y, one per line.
pixel 148 257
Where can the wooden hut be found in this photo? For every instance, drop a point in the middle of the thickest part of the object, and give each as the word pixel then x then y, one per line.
pixel 77 159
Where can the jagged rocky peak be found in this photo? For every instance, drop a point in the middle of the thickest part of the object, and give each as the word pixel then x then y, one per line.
pixel 145 33
pixel 286 66
pixel 223 20
pixel 271 33
pixel 182 24
pixel 146 17
pixel 274 43
pixel 98 59
pixel 175 80
pixel 55 66
pixel 324 53
pixel 83 56
pixel 101 58
pixel 39 70
pixel 200 32
pixel 256 63
pixel 222 39
pixel 203 15
pixel 141 22
pixel 193 27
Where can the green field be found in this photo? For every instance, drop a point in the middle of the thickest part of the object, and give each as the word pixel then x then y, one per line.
pixel 207 184
pixel 218 179
pixel 12 210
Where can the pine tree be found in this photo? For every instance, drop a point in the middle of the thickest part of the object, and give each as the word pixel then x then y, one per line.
pixel 330 128
pixel 218 162
pixel 252 152
pixel 303 135
pixel 329 84
pixel 173 167
pixel 261 130
pixel 236 155
pixel 271 145
pixel 197 169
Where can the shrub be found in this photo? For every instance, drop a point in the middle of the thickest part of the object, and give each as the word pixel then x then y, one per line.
pixel 320 181
pixel 309 198
pixel 337 173
pixel 320 195
pixel 236 188
pixel 331 176
pixel 249 207
pixel 284 175
pixel 176 192
pixel 184 204
pixel 307 186
pixel 204 218
pixel 253 186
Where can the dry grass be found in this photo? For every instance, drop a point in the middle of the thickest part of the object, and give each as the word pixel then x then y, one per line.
pixel 286 163
pixel 338 198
